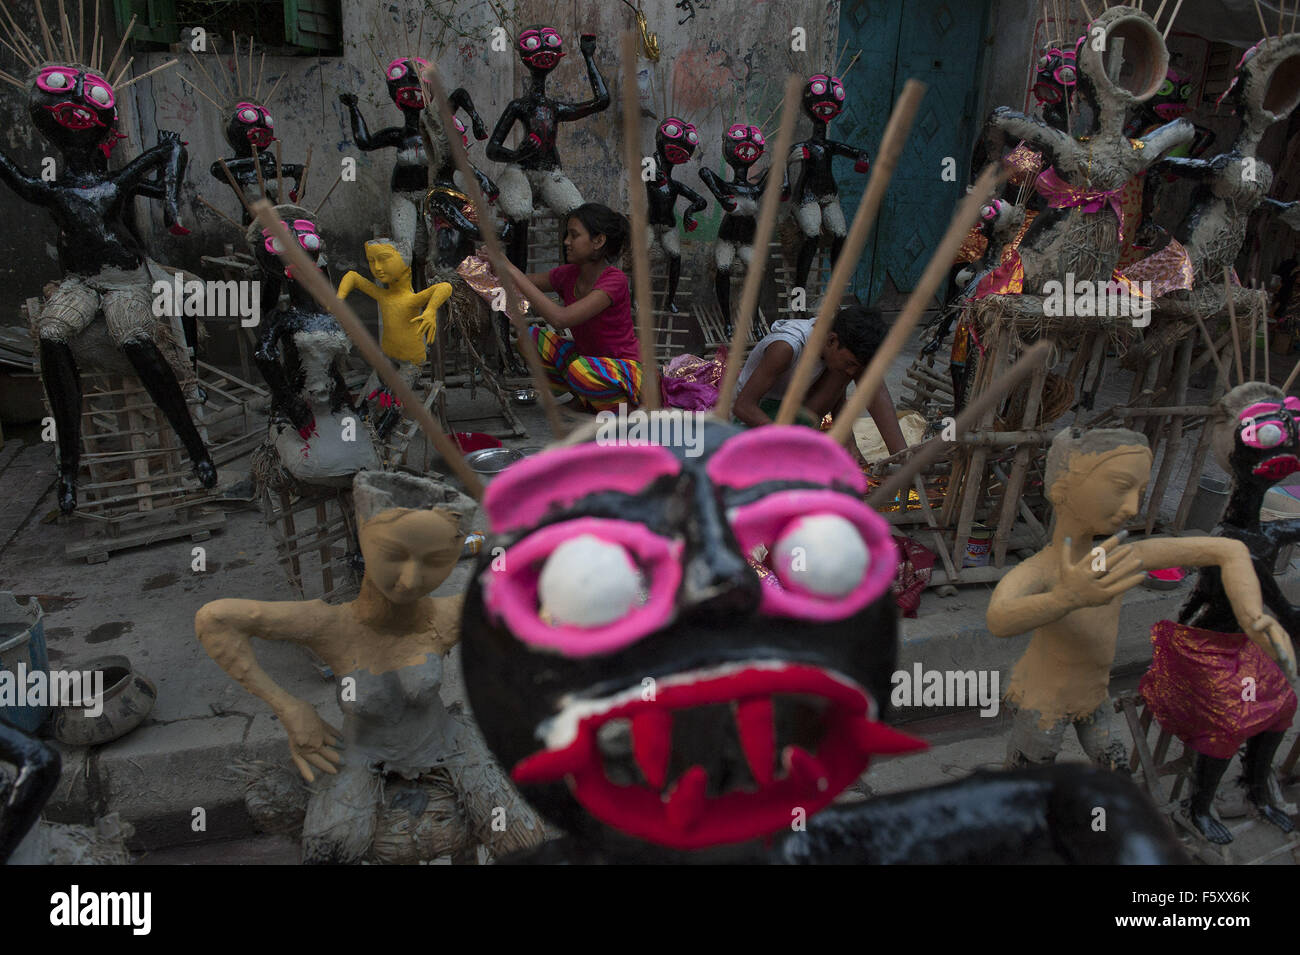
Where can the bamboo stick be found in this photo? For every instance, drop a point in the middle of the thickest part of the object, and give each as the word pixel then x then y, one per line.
pixel 645 331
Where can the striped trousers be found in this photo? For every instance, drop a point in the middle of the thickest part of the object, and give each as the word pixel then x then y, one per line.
pixel 600 383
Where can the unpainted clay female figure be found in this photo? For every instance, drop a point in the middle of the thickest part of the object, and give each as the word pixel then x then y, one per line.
pixel 300 355
pixel 1082 229
pixel 73 106
pixel 533 167
pixel 411 173
pixel 388 647
pixel 1208 683
pixel 1233 184
pixel 250 132
pixel 408 320
pixel 660 703
pixel 675 143
pixel 815 190
pixel 742 146
pixel 1069 595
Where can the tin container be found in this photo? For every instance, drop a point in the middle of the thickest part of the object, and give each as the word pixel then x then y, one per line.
pixel 978 546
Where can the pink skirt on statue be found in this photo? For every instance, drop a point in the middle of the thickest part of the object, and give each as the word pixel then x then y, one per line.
pixel 1214 690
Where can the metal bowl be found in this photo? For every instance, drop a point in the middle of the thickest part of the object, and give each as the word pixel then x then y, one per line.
pixel 489 462
pixel 525 396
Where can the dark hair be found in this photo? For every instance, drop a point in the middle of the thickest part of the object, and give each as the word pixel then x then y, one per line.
pixel 860 329
pixel 602 220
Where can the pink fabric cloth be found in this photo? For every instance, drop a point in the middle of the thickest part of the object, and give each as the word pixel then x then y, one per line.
pixel 1061 195
pixel 610 334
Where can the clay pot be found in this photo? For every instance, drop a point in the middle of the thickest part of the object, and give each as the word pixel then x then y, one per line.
pixel 128 699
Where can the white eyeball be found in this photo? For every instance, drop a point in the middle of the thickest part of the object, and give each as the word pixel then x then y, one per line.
pixel 588 582
pixel 692 138
pixel 397 72
pixel 819 87
pixel 1270 435
pixel 839 92
pixel 100 95
pixel 248 115
pixel 737 132
pixel 672 129
pixel 552 40
pixel 758 137
pixel 58 80
pixel 275 245
pixel 531 43
pixel 270 123
pixel 311 242
pixel 823 554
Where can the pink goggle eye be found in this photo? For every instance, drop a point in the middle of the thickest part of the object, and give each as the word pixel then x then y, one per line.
pixel 756 135
pixel 671 129
pixel 247 114
pixel 818 87
pixel 552 38
pixel 737 132
pixel 512 593
pixel 98 91
pixel 530 40
pixel 57 79
pixel 817 575
pixel 691 136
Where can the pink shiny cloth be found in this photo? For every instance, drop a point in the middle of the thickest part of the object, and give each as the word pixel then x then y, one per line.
pixel 691 382
pixel 477 272
pixel 1168 270
pixel 1061 195
pixel 1196 683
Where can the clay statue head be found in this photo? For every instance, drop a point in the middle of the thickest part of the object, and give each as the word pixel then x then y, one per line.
pixel 677 645
pixel 676 140
pixel 1055 82
pixel 249 128
pixel 73 107
pixel 389 260
pixel 302 227
pixel 411 530
pixel 1132 36
pixel 403 79
pixel 541 48
pixel 1266 88
pixel 1098 476
pixel 1174 97
pixel 742 146
pixel 1258 437
pixel 823 97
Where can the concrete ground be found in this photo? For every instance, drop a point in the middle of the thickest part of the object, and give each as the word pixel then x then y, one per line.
pixel 141 604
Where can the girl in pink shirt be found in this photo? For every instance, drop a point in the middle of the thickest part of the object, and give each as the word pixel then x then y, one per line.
pixel 601 366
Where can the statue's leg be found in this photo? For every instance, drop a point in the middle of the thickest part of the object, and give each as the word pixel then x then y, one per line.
pixel 1098 736
pixel 1258 768
pixel 65 314
pixel 561 197
pixel 724 254
pixel 809 218
pixel 131 324
pixel 1206 774
pixel 342 814
pixel 405 221
pixel 1031 743
pixel 516 204
pixel 672 247
pixel 833 222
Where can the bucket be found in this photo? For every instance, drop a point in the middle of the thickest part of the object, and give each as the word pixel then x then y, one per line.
pixel 1208 504
pixel 1278 506
pixel 22 641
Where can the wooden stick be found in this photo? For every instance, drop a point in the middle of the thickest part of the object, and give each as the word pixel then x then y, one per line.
pixel 29 55
pixel 767 212
pixel 214 209
pixel 122 73
pixel 198 89
pixel 850 66
pixel 1214 352
pixel 1084 4
pixel 1159 10
pixel 279 174
pixel 261 69
pixel 66 27
pixel 271 95
pixel 306 168
pixel 234 53
pixel 51 50
pixel 1172 17
pixel 156 69
pixel 239 190
pixel 891 147
pixel 257 168
pixel 645 331
pixel 218 89
pixel 81 32
pixel 1232 317
pixel 971 414
pixel 496 255
pixel 1252 340
pixel 120 44
pixel 935 272
pixel 1290 379
pixel 328 194
pixel 314 281
pixel 1260 13
pixel 251 85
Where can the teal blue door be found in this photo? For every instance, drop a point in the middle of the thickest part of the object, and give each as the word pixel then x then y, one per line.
pixel 939 42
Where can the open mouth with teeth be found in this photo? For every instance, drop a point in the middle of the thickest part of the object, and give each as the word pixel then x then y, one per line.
pixel 748 153
pixel 1278 467
pixel 72 116
pixel 1171 110
pixel 410 97
pixel 825 109
pixel 259 137
pixel 544 60
pixel 714 757
pixel 676 155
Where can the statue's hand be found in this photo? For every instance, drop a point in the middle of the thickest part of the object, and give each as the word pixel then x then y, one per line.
pixel 1268 634
pixel 311 739
pixel 1097 579
pixel 587 44
pixel 348 99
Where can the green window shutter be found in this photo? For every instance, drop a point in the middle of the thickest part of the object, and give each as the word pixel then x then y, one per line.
pixel 313 24
pixel 155 19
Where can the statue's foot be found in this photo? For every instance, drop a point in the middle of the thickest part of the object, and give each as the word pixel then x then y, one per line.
pixel 672 307
pixel 1261 802
pixel 67 493
pixel 206 471
pixel 1211 828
